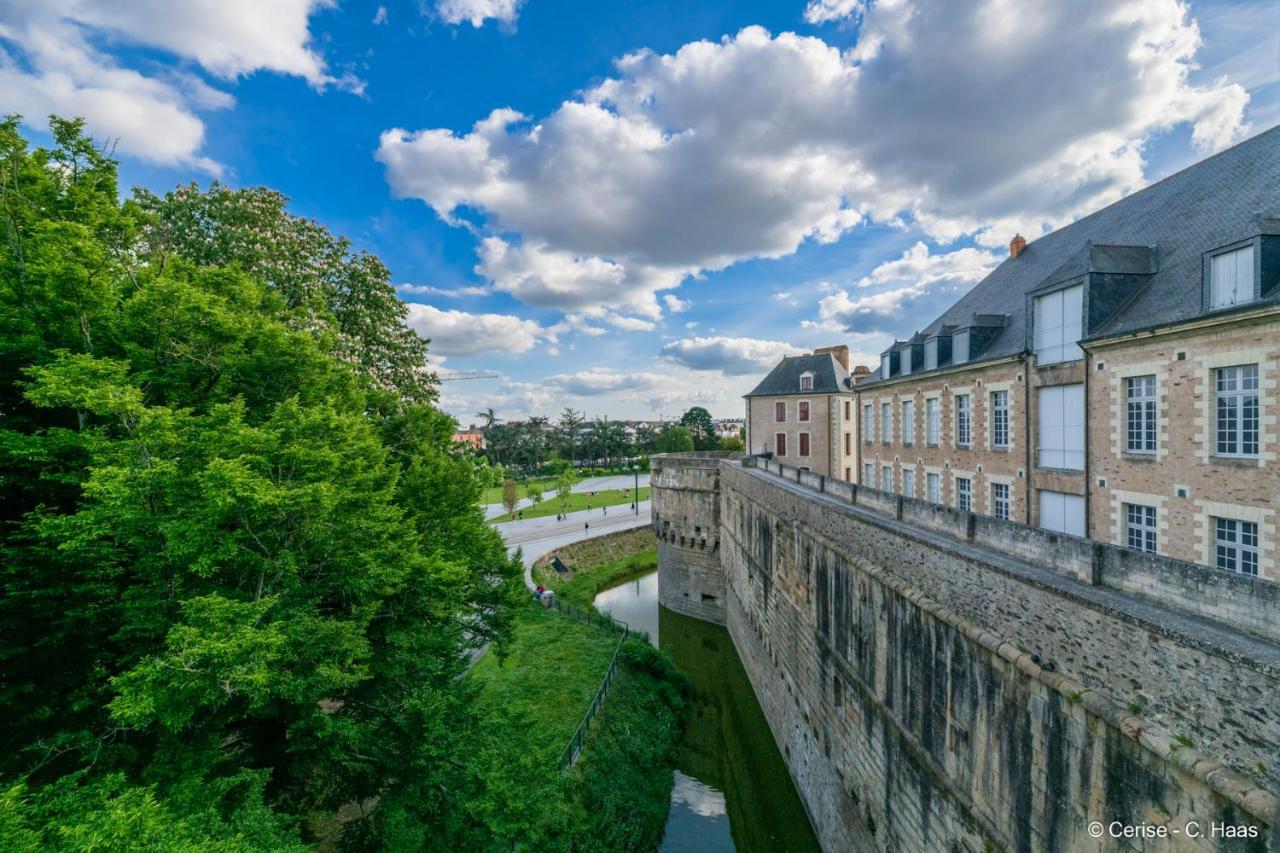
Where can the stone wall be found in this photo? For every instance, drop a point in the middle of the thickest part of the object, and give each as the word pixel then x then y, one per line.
pixel 686 520
pixel 932 693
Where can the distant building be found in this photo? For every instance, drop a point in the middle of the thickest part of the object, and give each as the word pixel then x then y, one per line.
pixel 1115 379
pixel 471 436
pixel 803 414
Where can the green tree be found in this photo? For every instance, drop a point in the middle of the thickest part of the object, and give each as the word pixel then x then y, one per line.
pixel 510 495
pixel 567 431
pixel 674 439
pixel 731 442
pixel 702 427
pixel 243 563
pixel 564 487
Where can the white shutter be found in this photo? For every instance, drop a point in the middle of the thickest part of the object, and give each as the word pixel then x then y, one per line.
pixel 960 347
pixel 1062 513
pixel 1060 427
pixel 1231 278
pixel 1048 320
pixel 1059 319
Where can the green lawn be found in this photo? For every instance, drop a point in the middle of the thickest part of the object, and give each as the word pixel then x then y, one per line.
pixel 493 494
pixel 581 500
pixel 550 676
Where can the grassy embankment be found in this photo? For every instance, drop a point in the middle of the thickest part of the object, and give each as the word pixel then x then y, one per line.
pixel 581 500
pixel 596 564
pixel 616 796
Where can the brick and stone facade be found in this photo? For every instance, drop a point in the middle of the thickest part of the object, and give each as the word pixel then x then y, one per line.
pixel 802 413
pixel 1182 476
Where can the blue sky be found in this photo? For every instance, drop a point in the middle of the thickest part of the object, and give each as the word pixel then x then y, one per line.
pixel 633 208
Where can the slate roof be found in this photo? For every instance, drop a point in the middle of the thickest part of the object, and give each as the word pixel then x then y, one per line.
pixel 828 377
pixel 1211 204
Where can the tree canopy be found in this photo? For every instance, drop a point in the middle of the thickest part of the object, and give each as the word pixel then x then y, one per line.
pixel 241 558
pixel 701 427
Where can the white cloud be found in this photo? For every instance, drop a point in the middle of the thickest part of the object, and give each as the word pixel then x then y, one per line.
pixel 918 284
pixel 380 16
pixel 675 304
pixel 599 381
pixel 456 333
pixel 476 12
pixel 733 356
pixel 448 293
pixel 748 147
pixel 51 65
pixel 824 11
pixel 629 324
pixel 557 279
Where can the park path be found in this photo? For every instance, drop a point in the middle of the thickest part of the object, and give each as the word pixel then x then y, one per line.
pixel 597 484
pixel 538 536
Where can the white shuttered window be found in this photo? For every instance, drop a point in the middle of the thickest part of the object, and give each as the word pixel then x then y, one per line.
pixel 1062 512
pixel 1231 278
pixel 1061 427
pixel 1058 320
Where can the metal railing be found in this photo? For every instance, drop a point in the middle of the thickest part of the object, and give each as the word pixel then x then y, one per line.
pixel 592 617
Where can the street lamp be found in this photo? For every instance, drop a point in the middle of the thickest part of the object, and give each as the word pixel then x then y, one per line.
pixel 635 493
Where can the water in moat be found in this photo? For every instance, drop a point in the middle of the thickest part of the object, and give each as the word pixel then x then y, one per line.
pixel 732 790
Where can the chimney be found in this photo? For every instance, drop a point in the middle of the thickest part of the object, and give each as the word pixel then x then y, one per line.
pixel 860 373
pixel 840 353
pixel 1016 245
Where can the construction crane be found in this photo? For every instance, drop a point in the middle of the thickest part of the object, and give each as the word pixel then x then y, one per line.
pixel 458 375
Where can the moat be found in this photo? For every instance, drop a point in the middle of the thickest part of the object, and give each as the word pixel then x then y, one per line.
pixel 732 790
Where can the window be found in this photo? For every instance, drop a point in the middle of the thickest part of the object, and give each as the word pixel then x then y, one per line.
pixel 804 444
pixel 933 487
pixel 802 410
pixel 886 477
pixel 1062 512
pixel 884 366
pixel 868 475
pixel 904 361
pixel 964 494
pixel 847 416
pixel 960 346
pixel 1140 527
pixel 962 420
pixel 1000 501
pixel 848 474
pixel 908 483
pixel 1140 403
pixel 780 444
pixel 931 422
pixel 1235 545
pixel 848 443
pixel 931 354
pixel 868 427
pixel 1061 427
pixel 1231 278
pixel 1237 418
pixel 1058 325
pixel 806 381
pixel 886 422
pixel 908 421
pixel 999 418
pixel 780 413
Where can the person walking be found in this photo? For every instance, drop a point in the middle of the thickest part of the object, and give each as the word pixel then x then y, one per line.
pixel 586 527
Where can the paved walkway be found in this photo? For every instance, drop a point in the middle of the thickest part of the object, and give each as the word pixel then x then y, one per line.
pixel 614 481
pixel 538 536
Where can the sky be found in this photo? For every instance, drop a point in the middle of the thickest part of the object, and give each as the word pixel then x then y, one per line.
pixel 633 208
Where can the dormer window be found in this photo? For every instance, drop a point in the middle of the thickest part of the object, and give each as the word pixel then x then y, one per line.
pixel 1231 278
pixel 960 346
pixel 1058 325
pixel 806 381
pixel 904 361
pixel 931 354
pixel 884 366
